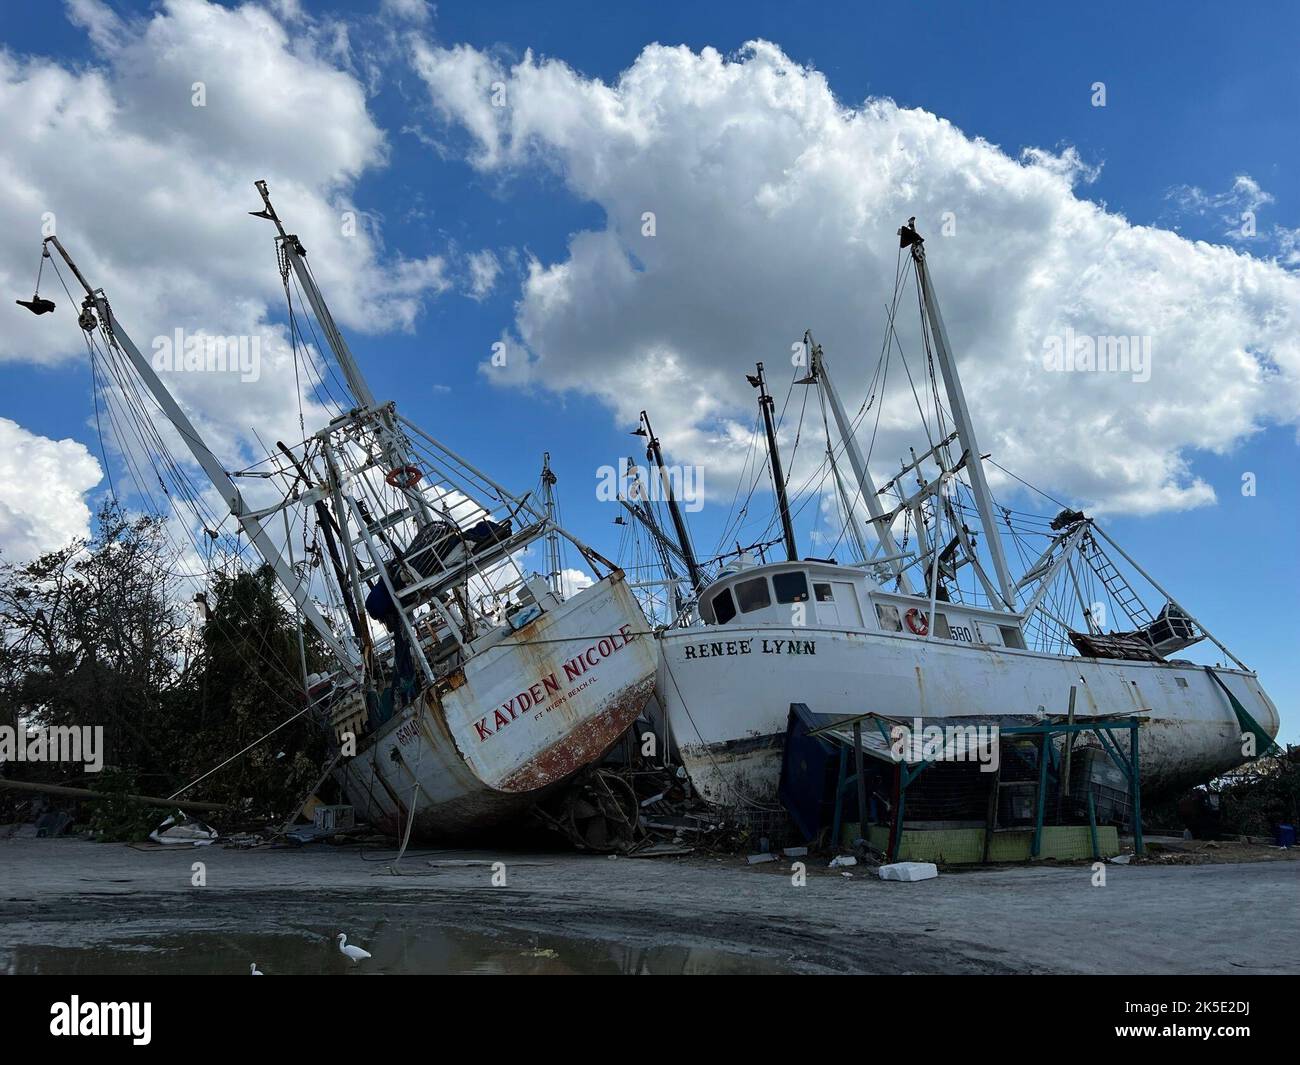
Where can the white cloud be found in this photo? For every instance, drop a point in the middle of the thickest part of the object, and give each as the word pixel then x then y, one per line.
pixel 42 487
pixel 417 11
pixel 1235 209
pixel 776 208
pixel 150 193
pixel 483 271
pixel 572 581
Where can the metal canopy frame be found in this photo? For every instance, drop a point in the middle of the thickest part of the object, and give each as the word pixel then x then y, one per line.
pixel 907 771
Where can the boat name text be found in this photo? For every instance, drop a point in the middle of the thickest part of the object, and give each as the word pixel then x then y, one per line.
pixel 546 693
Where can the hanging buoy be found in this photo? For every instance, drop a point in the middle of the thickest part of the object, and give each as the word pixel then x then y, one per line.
pixel 404 477
pixel 917 622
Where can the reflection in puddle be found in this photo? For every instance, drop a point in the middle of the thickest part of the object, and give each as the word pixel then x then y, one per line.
pixel 397 949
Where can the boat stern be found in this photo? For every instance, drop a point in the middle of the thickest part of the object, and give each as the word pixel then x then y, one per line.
pixel 554 696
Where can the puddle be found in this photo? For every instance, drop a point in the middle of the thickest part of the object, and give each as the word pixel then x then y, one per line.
pixel 396 949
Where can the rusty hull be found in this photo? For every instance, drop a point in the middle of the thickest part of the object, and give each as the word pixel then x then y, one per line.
pixel 422 767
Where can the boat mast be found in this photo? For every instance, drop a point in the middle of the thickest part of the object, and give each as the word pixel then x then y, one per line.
pixel 866 487
pixel 248 520
pixel 767 405
pixel 679 524
pixel 552 537
pixel 638 506
pixel 390 440
pixel 909 238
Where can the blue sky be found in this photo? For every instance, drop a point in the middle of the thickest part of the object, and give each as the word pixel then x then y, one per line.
pixel 1198 94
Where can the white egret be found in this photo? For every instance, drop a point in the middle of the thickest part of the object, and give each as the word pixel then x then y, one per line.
pixel 355 953
pixel 253 970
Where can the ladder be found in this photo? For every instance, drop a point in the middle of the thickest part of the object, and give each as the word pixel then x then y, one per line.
pixel 1118 587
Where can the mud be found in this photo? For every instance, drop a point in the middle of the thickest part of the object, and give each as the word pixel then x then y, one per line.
pixel 74 906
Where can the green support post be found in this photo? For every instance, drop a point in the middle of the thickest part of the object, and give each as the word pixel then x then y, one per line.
pixel 1135 790
pixel 1042 796
pixel 862 784
pixel 1092 827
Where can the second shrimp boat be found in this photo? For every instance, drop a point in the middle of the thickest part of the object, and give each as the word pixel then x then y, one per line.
pixel 895 634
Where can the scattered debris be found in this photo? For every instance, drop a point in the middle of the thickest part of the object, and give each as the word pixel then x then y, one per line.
pixel 1121 859
pixel 53 823
pixel 661 850
pixel 759 859
pixel 841 860
pixel 334 818
pixel 179 829
pixel 908 872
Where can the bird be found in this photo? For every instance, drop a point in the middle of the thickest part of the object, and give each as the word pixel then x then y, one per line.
pixel 355 953
pixel 253 970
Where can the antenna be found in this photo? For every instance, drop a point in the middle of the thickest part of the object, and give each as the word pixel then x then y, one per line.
pixel 766 405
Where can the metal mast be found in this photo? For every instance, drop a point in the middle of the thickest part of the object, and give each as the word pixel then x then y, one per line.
pixel 552 537
pixel 766 405
pixel 866 487
pixel 908 237
pixel 250 521
pixel 390 440
pixel 653 451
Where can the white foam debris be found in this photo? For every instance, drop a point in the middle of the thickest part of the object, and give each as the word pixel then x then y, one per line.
pixel 909 871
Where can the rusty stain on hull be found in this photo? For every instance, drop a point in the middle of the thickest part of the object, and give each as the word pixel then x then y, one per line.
pixel 429 755
pixel 586 743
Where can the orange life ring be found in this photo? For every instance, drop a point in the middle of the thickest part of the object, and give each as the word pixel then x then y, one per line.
pixel 404 477
pixel 917 622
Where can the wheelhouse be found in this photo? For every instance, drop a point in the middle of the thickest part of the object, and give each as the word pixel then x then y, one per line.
pixel 826 595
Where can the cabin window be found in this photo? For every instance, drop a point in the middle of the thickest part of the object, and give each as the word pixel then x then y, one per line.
pixel 724 609
pixel 941 627
pixel 1182 681
pixel 823 593
pixel 888 618
pixel 753 595
pixel 790 587
pixel 1011 637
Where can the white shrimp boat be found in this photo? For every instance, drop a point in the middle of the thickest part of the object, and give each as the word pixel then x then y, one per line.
pixel 466 688
pixel 895 635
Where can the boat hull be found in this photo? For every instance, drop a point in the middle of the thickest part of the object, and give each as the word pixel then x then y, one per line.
pixel 727 695
pixel 516 720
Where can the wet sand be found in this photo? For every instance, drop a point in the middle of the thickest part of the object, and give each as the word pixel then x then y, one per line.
pixel 73 906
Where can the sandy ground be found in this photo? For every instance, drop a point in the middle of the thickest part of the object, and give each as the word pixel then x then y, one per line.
pixel 60 899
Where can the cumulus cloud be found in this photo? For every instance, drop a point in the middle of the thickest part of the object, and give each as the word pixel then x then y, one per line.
pixel 142 161
pixel 572 581
pixel 773 208
pixel 42 487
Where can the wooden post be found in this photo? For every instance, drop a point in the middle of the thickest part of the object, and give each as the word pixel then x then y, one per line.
pixel 86 793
